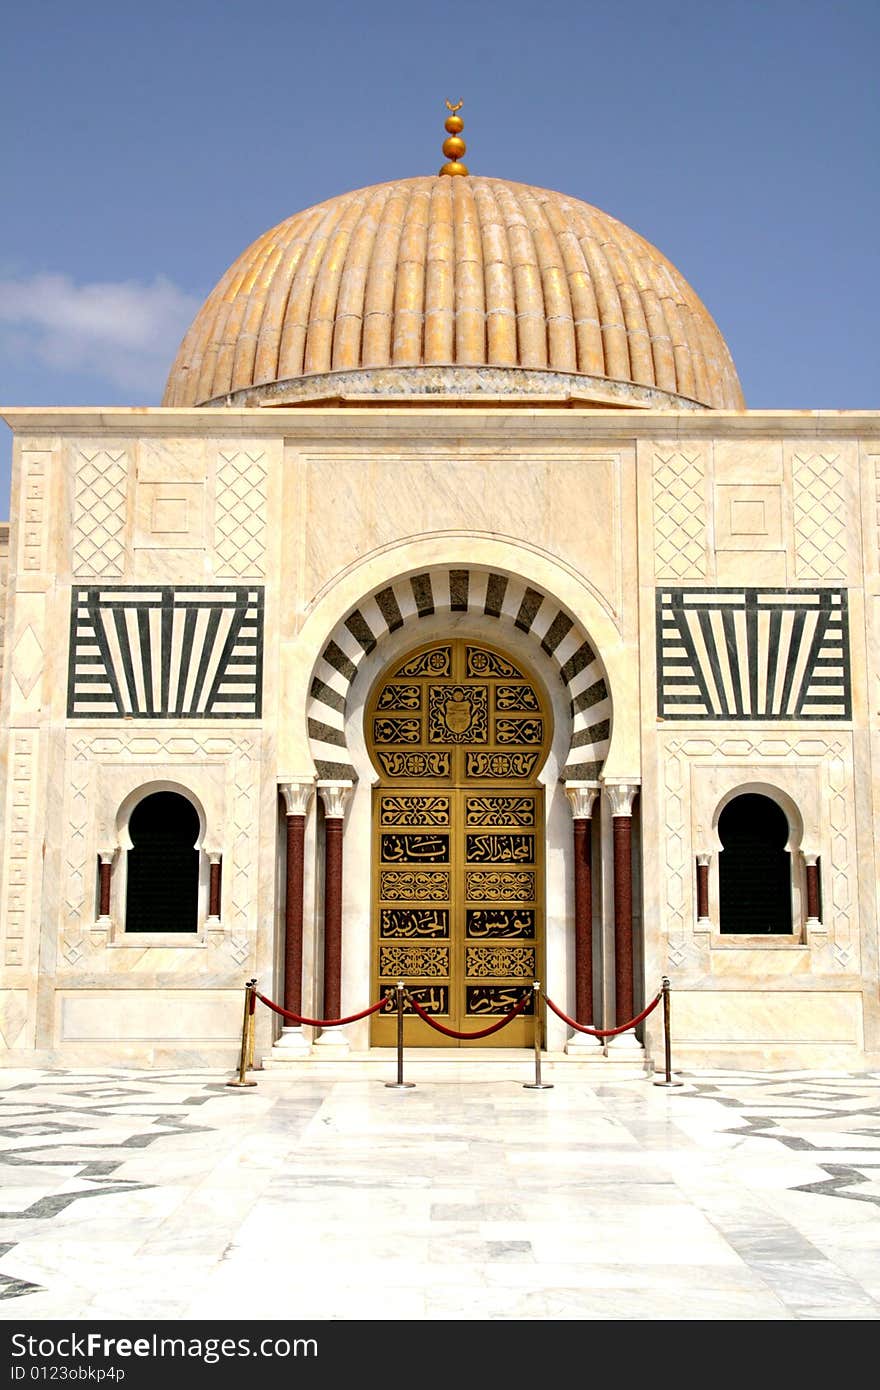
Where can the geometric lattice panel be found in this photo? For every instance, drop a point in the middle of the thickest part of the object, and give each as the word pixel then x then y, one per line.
pixel 166 652
pixel 100 488
pixel 753 654
pixel 240 513
pixel 679 515
pixel 819 516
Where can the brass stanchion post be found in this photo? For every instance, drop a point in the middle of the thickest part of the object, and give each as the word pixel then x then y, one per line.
pixel 250 1000
pixel 252 1028
pixel 400 1084
pixel 538 1084
pixel 667 1037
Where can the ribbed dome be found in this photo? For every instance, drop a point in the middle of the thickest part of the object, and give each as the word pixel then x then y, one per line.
pixel 453 273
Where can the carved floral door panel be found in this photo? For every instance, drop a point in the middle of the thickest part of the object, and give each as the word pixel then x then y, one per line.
pixel 458 733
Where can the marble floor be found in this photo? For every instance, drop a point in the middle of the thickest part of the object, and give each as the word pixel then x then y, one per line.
pixel 166 1195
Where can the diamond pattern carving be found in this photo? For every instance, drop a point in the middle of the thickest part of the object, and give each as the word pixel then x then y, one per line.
pixel 819 517
pixel 680 515
pixel 73 947
pixel 675 855
pixel 240 513
pixel 27 661
pixel 100 493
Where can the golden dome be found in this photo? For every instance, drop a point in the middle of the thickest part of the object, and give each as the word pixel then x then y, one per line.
pixel 453 287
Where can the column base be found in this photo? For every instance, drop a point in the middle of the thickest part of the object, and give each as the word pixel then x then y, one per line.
pixel 704 924
pixel 332 1043
pixel 292 1046
pixel 582 1042
pixel 625 1042
pixel 100 930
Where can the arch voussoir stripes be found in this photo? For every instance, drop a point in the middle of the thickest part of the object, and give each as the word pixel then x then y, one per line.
pixel 507 599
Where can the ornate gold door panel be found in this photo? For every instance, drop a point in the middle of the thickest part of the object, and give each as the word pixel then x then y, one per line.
pixel 458 733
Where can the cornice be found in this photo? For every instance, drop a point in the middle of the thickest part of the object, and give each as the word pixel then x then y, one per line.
pixel 439 425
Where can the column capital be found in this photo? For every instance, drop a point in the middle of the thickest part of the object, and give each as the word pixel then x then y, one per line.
pixel 621 794
pixel 704 860
pixel 107 856
pixel 581 796
pixel 335 796
pixel 810 859
pixel 297 793
pixel 214 856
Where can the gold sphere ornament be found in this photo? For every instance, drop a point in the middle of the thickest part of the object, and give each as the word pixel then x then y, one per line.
pixel 454 147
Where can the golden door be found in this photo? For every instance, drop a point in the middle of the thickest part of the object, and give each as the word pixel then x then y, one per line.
pixel 458 732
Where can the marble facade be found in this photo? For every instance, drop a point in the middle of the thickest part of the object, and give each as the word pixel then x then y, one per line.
pixel 289 519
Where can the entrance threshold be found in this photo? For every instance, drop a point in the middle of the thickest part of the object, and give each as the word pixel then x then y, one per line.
pixel 465 1064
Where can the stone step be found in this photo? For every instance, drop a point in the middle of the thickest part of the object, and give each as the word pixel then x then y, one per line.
pixel 464 1064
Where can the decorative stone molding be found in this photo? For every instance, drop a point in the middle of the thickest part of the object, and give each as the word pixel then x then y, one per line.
pixel 335 796
pixel 145 749
pixel 621 796
pixel 581 797
pixel 34 496
pixel 750 750
pixel 297 793
pixel 20 877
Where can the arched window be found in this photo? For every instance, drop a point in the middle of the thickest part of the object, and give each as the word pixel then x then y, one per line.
pixel 162 889
pixel 754 867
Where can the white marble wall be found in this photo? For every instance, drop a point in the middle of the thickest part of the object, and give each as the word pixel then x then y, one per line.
pixel 321 507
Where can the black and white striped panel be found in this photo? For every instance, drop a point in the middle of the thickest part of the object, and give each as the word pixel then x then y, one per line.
pixel 753 654
pixel 503 597
pixel 168 652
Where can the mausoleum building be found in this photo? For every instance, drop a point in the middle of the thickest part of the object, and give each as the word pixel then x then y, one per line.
pixel 451 621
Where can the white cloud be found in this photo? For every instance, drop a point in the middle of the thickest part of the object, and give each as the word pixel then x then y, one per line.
pixel 124 332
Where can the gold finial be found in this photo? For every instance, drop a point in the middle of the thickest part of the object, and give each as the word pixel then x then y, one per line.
pixel 454 147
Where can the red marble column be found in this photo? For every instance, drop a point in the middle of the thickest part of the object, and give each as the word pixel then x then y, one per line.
pixel 104 874
pixel 623 948
pixel 333 917
pixel 703 886
pixel 621 796
pixel 581 797
pixel 293 914
pixel 583 921
pixel 214 886
pixel 812 865
pixel 335 797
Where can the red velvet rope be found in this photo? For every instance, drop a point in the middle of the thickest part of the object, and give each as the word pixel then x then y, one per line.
pixel 483 1033
pixel 604 1032
pixel 318 1022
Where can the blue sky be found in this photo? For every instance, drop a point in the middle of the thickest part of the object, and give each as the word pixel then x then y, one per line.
pixel 145 145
